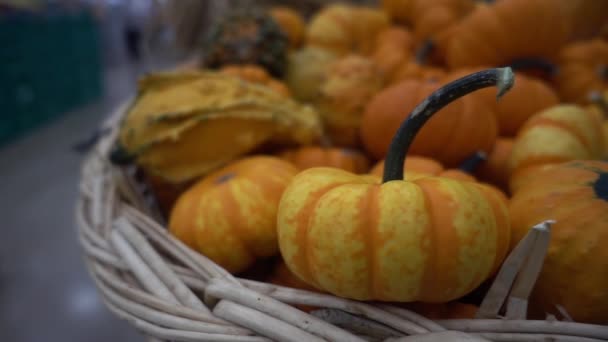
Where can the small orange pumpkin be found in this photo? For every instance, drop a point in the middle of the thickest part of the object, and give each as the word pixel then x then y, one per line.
pixel 316 156
pixel 495 170
pixel 291 22
pixel 500 33
pixel 468 125
pixel 256 74
pixel 230 215
pixel 583 68
pixel 350 82
pixel 394 47
pixel 555 135
pixel 575 270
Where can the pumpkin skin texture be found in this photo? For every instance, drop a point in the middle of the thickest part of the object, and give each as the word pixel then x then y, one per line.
pixel 316 156
pixel 394 47
pixel 500 33
pixel 430 239
pixel 230 215
pixel 350 82
pixel 256 74
pixel 291 23
pixel 575 271
pixel 416 166
pixel 495 170
pixel 555 135
pixel 344 29
pixel 453 134
pixel 347 234
pixel 306 71
pixel 583 69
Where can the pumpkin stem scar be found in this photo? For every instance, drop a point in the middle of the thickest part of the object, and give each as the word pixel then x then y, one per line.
pixel 502 78
pixel 423 52
pixel 225 177
pixel 602 72
pixel 470 164
pixel 600 186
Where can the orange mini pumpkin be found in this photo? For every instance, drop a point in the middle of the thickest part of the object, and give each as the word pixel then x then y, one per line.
pixel 350 82
pixel 316 156
pixel 555 135
pixel 256 74
pixel 500 33
pixel 468 125
pixel 230 215
pixel 394 47
pixel 583 68
pixel 575 270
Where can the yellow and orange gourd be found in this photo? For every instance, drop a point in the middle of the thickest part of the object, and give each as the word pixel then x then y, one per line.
pixel 555 135
pixel 431 239
pixel 230 215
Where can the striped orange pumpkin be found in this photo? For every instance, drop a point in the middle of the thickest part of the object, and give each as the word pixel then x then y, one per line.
pixel 558 134
pixel 230 215
pixel 431 239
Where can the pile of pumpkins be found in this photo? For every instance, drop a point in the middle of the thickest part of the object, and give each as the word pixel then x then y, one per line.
pixel 280 149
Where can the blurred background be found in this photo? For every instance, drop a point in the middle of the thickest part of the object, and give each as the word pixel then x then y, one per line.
pixel 64 66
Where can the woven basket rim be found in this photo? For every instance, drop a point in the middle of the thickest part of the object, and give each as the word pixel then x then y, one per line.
pixel 171 293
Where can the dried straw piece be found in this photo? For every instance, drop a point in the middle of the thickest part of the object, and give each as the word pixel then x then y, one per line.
pixel 295 296
pixel 452 336
pixel 86 229
pixel 518 337
pixel 517 303
pixel 152 301
pixel 167 320
pixel 221 289
pixel 178 335
pixel 261 323
pixel 499 291
pixel 101 254
pixel 162 270
pixel 527 326
pixel 98 189
pixel 414 317
pixel 356 324
pixel 140 269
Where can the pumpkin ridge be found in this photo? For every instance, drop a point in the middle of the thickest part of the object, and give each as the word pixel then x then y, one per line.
pixel 302 233
pixel 235 220
pixel 369 216
pixel 429 276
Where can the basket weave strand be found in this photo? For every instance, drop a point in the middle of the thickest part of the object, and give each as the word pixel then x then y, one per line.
pixel 171 293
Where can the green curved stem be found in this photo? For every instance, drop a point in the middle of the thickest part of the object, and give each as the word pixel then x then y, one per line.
pixel 502 78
